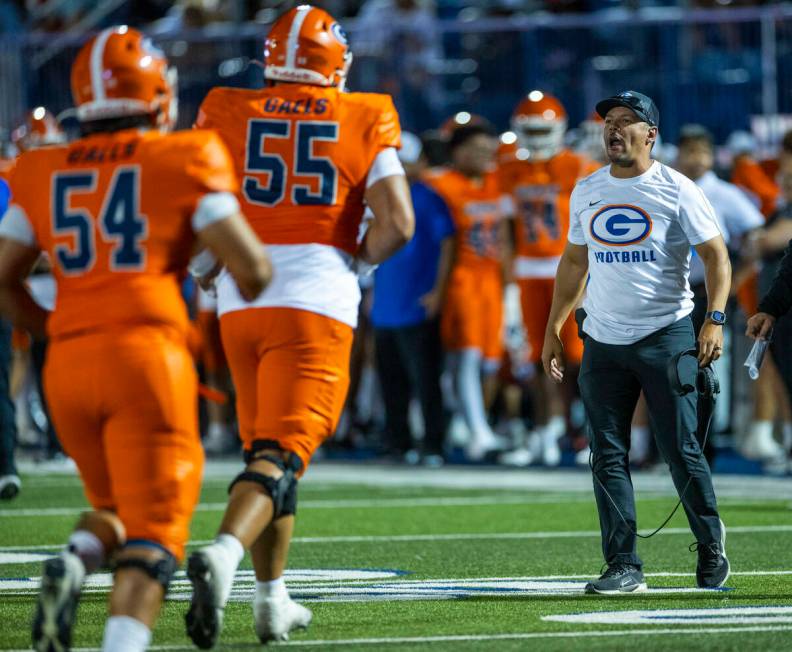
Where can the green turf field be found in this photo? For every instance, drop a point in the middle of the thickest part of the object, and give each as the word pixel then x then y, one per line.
pixel 454 560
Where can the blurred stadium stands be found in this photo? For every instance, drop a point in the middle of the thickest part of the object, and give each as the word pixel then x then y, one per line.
pixel 712 66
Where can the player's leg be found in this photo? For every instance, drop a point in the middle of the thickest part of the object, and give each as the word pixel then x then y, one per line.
pixel 97 534
pixel 311 352
pixel 155 462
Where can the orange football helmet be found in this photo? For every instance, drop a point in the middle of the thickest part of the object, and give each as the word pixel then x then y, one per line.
pixel 39 129
pixel 307 45
pixel 540 122
pixel 120 73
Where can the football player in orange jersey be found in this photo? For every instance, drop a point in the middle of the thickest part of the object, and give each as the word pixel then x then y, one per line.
pixel 39 129
pixel 540 179
pixel 119 212
pixel 310 156
pixel 472 315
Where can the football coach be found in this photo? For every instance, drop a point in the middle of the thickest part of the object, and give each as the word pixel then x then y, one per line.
pixel 631 227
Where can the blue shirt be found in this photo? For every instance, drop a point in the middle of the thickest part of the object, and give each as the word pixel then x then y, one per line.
pixel 5 197
pixel 403 279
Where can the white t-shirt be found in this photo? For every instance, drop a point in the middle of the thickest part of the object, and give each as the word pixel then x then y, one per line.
pixel 736 215
pixel 313 277
pixel 638 232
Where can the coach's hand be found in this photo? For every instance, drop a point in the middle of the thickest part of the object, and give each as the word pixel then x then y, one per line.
pixel 760 326
pixel 553 357
pixel 710 342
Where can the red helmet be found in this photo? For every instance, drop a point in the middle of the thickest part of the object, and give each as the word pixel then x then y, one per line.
pixel 540 122
pixel 39 129
pixel 120 73
pixel 308 46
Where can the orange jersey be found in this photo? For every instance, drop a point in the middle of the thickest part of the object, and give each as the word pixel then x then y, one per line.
pixel 477 210
pixel 113 211
pixel 540 191
pixel 755 178
pixel 303 154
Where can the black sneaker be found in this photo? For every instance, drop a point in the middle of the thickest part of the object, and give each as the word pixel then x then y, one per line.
pixel 713 567
pixel 618 579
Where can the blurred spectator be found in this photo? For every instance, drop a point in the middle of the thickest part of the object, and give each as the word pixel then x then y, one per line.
pixel 404 36
pixel 736 215
pixel 9 479
pixel 409 289
pixel 769 245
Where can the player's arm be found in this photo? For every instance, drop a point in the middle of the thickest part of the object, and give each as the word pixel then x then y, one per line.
pixel 717 270
pixel 388 197
pixel 16 304
pixel 237 247
pixel 570 282
pixel 221 228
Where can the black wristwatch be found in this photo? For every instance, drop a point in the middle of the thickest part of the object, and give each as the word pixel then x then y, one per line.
pixel 716 317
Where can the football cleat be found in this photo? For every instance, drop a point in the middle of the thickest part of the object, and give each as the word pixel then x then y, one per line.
pixel 211 574
pixel 61 581
pixel 9 486
pixel 275 617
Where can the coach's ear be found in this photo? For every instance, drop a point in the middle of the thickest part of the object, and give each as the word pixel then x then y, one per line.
pixel 651 136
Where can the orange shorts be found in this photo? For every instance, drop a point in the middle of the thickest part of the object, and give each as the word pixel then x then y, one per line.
pixel 125 408
pixel 472 315
pixel 291 373
pixel 536 298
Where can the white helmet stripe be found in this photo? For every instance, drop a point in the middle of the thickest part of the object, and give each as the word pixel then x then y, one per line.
pixel 97 56
pixel 294 34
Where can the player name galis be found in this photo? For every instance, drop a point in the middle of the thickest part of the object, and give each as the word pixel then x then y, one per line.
pixel 640 256
pixel 309 105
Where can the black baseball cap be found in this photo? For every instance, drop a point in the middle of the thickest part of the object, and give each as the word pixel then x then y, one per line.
pixel 640 104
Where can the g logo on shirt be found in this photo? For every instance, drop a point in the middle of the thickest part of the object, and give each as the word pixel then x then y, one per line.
pixel 620 225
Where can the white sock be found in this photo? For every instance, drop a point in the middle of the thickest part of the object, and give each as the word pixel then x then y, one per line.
pixel 125 634
pixel 556 426
pixel 232 546
pixel 272 589
pixel 471 394
pixel 89 548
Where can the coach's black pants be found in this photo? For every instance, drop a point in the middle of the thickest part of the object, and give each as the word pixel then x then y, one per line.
pixel 611 378
pixel 8 431
pixel 409 362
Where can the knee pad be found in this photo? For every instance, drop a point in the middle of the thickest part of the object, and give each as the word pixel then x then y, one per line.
pixel 283 490
pixel 161 570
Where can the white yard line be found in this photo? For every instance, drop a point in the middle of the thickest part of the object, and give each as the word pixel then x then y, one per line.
pixel 351 503
pixel 487 637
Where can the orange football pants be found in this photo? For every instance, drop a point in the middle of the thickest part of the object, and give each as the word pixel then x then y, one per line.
pixel 291 373
pixel 125 408
pixel 472 316
pixel 536 298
